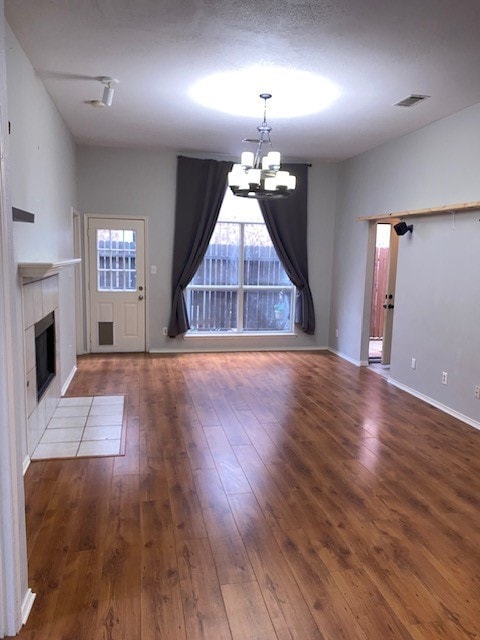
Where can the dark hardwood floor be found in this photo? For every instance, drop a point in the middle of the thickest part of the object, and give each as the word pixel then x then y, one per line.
pixel 262 496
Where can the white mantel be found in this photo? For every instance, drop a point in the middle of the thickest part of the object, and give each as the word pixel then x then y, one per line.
pixel 38 270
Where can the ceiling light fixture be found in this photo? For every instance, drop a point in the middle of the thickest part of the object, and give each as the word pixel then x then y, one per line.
pixel 108 92
pixel 260 176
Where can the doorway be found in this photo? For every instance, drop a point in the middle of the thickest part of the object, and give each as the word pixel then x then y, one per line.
pixel 383 295
pixel 116 277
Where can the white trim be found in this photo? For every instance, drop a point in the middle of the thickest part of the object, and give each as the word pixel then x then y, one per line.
pixel 238 349
pixel 79 288
pixel 27 605
pixel 26 463
pixel 357 363
pixel 438 405
pixel 68 380
pixel 13 558
pixel 241 335
pixel 40 270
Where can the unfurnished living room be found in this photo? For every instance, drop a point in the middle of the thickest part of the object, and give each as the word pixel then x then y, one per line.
pixel 240 301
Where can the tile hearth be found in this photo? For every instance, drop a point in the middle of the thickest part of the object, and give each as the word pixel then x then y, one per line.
pixel 80 427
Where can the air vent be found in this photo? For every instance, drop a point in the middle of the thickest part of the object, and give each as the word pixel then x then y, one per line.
pixel 411 100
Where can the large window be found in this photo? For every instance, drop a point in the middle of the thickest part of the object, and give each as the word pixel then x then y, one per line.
pixel 240 285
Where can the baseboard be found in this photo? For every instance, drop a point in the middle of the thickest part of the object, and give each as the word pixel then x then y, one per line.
pixel 357 363
pixel 235 350
pixel 438 405
pixel 68 381
pixel 26 464
pixel 27 605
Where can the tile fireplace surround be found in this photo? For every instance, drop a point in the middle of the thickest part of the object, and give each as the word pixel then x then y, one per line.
pixel 40 298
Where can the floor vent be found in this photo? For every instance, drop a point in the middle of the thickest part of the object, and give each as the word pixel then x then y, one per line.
pixel 411 100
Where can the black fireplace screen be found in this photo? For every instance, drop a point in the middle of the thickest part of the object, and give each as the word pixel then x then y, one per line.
pixel 45 352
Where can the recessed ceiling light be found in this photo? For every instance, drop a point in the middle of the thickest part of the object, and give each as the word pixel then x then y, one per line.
pixel 295 93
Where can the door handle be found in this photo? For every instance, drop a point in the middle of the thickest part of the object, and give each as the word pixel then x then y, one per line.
pixel 140 288
pixel 140 297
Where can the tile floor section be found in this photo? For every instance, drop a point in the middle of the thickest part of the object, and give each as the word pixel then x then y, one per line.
pixel 81 427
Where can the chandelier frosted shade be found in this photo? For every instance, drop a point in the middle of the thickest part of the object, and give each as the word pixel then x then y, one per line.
pixel 259 176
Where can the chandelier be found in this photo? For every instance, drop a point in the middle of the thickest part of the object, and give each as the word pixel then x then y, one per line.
pixel 259 176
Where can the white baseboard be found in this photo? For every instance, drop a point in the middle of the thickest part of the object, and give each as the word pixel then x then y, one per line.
pixel 27 605
pixel 235 349
pixel 438 405
pixel 68 381
pixel 26 464
pixel 357 363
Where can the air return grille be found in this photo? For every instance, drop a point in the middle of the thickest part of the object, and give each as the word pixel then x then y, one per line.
pixel 411 100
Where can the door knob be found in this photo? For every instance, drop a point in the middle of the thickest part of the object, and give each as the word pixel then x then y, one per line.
pixel 140 288
pixel 140 297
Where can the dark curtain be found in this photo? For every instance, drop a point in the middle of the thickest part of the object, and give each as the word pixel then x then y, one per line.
pixel 201 187
pixel 286 221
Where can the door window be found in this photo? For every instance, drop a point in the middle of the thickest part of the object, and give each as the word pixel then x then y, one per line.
pixel 116 260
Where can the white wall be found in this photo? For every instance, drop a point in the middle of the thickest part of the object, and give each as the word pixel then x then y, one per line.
pixel 42 174
pixel 437 304
pixel 14 592
pixel 135 182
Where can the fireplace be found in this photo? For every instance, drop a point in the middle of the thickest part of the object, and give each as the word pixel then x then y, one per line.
pixel 45 352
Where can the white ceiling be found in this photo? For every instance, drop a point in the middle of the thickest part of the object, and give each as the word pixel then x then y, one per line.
pixel 376 52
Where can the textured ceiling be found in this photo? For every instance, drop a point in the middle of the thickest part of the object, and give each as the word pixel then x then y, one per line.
pixel 376 52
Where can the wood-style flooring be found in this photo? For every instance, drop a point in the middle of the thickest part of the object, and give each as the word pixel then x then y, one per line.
pixel 262 496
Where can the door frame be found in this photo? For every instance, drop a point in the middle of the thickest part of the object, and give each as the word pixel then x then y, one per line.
pixel 146 257
pixel 80 296
pixel 365 331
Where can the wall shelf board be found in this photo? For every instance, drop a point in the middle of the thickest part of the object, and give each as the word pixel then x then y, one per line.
pixel 38 270
pixel 464 207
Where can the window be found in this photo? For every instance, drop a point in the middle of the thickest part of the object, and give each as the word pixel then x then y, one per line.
pixel 116 255
pixel 241 285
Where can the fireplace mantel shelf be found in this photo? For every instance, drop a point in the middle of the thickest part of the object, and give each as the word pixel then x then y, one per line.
pixel 38 270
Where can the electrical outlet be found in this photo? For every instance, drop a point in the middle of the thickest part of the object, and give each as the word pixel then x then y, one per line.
pixel 444 377
pixel 477 392
pixel 414 363
pixel 153 269
pixel 336 333
pixel 165 331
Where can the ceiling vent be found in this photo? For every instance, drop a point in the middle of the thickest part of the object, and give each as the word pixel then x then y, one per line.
pixel 411 100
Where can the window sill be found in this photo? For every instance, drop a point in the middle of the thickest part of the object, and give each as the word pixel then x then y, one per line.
pixel 249 334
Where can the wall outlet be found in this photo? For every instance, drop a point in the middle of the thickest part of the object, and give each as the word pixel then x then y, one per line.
pixel 476 393
pixel 165 331
pixel 444 377
pixel 413 364
pixel 336 333
pixel 153 269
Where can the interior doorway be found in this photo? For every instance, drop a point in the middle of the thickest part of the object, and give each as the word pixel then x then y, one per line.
pixel 383 295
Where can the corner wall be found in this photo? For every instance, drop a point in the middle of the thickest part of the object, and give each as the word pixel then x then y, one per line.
pixel 437 306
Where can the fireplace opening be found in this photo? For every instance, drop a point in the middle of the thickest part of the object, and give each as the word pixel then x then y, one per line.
pixel 45 352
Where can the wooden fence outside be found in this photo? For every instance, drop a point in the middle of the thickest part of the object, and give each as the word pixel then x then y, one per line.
pixel 379 290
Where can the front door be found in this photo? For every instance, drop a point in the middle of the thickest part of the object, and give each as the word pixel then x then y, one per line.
pixel 116 249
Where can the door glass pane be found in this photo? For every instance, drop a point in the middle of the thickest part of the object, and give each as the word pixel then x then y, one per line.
pixel 212 310
pixel 261 265
pixel 220 264
pixel 267 311
pixel 116 257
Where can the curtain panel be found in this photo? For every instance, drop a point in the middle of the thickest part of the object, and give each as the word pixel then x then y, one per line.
pixel 286 221
pixel 200 191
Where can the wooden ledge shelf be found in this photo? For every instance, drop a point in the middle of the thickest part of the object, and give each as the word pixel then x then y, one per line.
pixel 465 207
pixel 39 270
